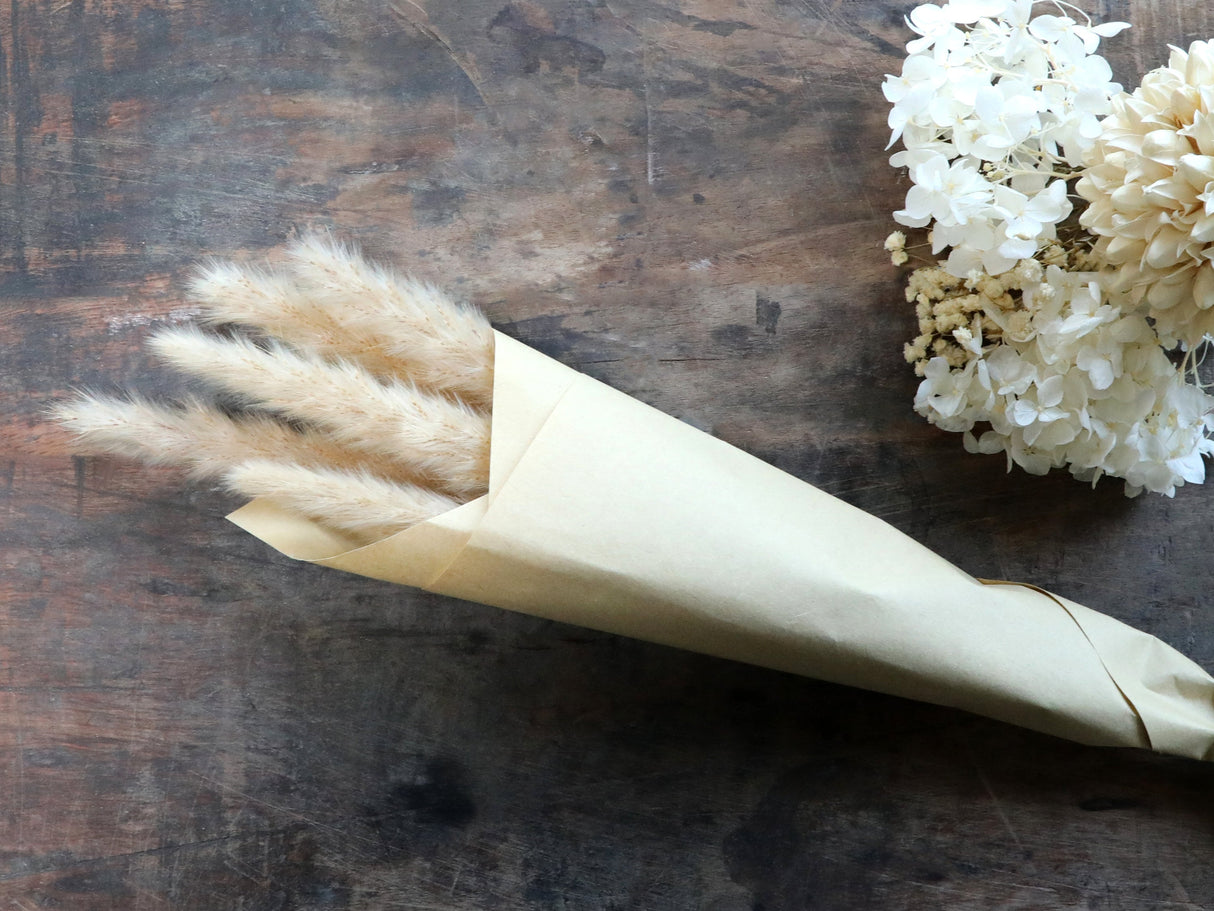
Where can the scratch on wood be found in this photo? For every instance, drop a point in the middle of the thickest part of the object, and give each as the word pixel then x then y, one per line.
pixel 78 467
pixel 650 153
pixel 312 821
pixel 1007 823
pixel 468 68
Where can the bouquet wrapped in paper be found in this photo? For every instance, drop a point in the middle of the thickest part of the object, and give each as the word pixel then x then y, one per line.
pixel 603 512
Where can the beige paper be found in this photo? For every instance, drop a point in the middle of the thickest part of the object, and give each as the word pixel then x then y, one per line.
pixel 606 513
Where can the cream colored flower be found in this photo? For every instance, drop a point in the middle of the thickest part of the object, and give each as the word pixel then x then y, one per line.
pixel 1150 187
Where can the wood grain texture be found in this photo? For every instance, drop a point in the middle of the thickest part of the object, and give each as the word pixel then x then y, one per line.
pixel 684 200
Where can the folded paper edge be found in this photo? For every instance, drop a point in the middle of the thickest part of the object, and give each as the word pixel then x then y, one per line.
pixel 527 386
pixel 1144 727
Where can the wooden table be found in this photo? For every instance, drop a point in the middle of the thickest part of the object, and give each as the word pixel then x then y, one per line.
pixel 686 201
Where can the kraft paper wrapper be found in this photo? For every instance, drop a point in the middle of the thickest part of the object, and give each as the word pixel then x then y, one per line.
pixel 606 513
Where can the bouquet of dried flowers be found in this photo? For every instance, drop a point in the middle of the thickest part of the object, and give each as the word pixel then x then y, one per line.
pixel 1059 341
pixel 385 431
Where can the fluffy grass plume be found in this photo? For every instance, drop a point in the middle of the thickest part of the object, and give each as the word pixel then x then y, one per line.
pixel 369 396
pixel 441 344
pixel 367 507
pixel 203 439
pixel 441 439
pixel 333 302
pixel 271 301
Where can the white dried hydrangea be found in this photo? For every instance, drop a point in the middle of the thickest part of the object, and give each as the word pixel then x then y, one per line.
pixel 1048 350
pixel 995 108
pixel 1072 381
pixel 1150 187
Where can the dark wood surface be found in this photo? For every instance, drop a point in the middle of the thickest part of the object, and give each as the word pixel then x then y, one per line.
pixel 684 200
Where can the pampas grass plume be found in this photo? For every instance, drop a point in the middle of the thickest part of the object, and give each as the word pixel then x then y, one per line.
pixel 369 393
pixel 441 344
pixel 333 302
pixel 354 502
pixel 204 440
pixel 441 439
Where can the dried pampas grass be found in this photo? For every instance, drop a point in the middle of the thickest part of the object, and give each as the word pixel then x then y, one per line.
pixel 207 442
pixel 334 303
pixel 444 440
pixel 358 503
pixel 367 394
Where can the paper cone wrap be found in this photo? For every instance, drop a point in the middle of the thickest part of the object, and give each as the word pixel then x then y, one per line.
pixel 608 514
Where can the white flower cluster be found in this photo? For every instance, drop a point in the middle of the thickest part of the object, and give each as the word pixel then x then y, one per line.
pixel 1149 183
pixel 1077 383
pixel 1052 351
pixel 995 108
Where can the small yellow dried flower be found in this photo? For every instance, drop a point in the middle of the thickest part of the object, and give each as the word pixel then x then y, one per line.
pixel 951 311
pixel 896 245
